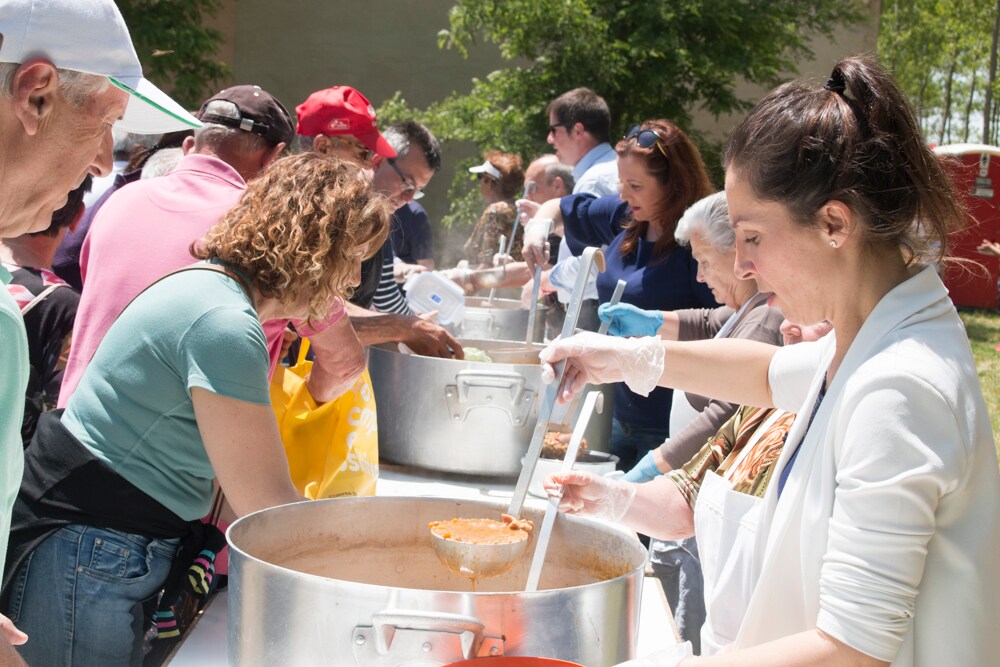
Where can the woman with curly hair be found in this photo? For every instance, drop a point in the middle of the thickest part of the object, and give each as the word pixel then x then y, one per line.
pixel 501 178
pixel 176 396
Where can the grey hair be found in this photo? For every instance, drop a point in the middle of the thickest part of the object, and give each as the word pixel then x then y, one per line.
pixel 710 217
pixel 161 162
pixel 563 171
pixel 76 87
pixel 215 137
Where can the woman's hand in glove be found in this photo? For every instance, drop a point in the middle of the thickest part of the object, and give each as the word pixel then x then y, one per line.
pixel 591 495
pixel 595 359
pixel 628 320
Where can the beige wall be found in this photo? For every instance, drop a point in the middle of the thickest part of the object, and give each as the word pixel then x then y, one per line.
pixel 294 47
pixel 846 42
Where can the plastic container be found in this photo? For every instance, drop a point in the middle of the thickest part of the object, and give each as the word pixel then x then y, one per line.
pixel 429 291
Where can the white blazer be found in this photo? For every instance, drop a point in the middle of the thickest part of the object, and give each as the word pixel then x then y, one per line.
pixel 887 534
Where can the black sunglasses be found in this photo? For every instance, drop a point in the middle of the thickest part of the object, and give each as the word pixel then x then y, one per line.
pixel 553 128
pixel 646 138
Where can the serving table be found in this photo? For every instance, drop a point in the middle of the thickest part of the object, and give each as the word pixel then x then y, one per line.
pixel 206 643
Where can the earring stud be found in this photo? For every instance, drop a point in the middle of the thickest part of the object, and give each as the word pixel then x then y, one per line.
pixel 833 244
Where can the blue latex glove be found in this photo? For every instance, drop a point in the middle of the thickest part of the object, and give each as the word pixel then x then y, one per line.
pixel 644 471
pixel 628 320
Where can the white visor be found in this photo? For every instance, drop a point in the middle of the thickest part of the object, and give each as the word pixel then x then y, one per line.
pixel 486 168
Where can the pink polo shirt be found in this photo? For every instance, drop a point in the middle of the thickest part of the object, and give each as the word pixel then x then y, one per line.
pixel 142 233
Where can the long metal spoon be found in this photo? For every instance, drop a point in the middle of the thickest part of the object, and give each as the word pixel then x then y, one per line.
pixel 594 399
pixel 529 337
pixel 588 259
pixel 616 296
pixel 493 290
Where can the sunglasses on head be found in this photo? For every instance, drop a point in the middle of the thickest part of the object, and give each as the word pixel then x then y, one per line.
pixel 646 138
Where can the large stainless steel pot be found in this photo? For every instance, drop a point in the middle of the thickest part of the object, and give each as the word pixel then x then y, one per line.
pixel 504 319
pixel 354 581
pixel 465 416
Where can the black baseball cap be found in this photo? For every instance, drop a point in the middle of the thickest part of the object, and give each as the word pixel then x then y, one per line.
pixel 260 113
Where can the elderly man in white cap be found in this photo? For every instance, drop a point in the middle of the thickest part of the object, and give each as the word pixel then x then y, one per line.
pixel 68 73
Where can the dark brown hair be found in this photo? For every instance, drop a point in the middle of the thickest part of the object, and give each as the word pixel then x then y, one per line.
pixel 679 169
pixel 854 140
pixel 511 173
pixel 584 106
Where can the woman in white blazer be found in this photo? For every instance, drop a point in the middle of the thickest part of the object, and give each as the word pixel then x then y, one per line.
pixel 880 538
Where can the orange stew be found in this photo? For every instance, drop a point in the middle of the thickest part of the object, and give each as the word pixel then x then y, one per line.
pixel 483 531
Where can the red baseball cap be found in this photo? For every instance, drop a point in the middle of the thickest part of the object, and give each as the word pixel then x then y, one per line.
pixel 342 110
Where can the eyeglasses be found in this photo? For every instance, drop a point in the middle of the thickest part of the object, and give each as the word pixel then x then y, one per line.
pixel 408 185
pixel 553 128
pixel 646 138
pixel 530 188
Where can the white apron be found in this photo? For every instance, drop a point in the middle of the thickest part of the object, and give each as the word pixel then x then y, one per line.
pixel 725 522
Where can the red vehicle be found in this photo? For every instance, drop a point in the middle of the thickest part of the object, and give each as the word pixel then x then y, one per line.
pixel 977 175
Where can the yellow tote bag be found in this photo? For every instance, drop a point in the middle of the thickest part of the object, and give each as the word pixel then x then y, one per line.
pixel 332 448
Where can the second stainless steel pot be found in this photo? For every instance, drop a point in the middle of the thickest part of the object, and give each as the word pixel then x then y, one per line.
pixel 504 319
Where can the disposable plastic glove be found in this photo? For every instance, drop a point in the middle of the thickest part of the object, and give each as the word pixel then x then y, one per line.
pixel 643 471
pixel 628 320
pixel 535 247
pixel 666 658
pixel 591 495
pixel 596 359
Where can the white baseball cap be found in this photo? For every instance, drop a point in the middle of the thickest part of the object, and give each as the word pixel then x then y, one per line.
pixel 89 36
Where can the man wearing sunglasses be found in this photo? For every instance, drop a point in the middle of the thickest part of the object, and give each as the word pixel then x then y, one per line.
pixel 340 121
pixel 579 130
pixel 401 179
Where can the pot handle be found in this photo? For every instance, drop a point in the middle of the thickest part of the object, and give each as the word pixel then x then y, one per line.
pixel 467 380
pixel 419 633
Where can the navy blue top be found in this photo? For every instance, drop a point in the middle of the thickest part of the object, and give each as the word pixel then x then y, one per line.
pixel 667 284
pixel 411 233
pixel 591 221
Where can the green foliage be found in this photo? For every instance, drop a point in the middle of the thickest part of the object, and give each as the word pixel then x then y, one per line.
pixel 176 50
pixel 939 51
pixel 648 59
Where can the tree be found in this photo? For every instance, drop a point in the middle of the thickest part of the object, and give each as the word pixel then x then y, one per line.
pixel 176 50
pixel 647 59
pixel 941 53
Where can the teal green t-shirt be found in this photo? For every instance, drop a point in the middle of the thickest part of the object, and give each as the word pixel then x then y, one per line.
pixel 133 406
pixel 13 383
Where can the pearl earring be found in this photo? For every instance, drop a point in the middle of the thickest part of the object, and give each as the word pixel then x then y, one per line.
pixel 833 244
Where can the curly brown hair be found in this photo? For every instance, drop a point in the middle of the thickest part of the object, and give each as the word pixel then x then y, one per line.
pixel 296 230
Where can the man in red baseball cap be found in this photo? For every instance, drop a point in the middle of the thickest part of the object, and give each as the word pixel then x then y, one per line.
pixel 340 120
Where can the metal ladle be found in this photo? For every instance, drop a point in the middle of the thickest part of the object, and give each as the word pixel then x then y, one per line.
pixel 462 557
pixel 594 399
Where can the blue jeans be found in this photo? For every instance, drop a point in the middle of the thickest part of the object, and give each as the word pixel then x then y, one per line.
pixel 630 443
pixel 80 596
pixel 676 564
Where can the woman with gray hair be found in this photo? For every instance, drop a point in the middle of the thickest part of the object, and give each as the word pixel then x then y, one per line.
pixel 694 419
